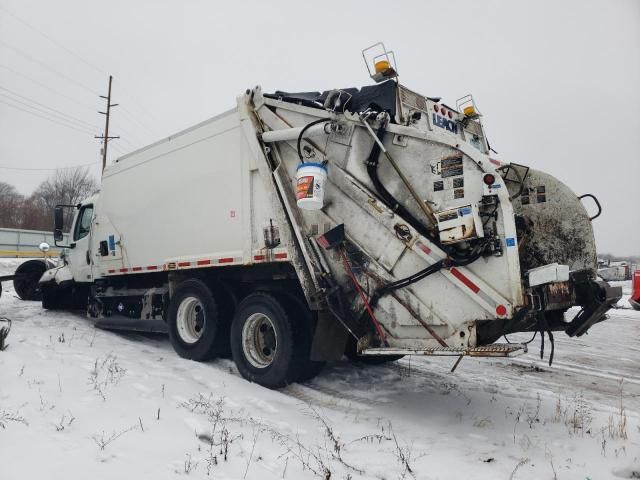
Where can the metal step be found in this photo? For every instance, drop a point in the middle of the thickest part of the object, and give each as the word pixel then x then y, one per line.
pixel 495 350
pixel 117 322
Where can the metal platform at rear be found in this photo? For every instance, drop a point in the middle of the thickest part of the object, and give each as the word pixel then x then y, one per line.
pixel 495 350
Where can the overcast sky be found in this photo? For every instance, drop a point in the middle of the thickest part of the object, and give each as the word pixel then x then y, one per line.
pixel 557 81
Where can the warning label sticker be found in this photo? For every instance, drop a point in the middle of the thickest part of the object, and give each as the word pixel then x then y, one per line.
pixel 451 167
pixel 304 187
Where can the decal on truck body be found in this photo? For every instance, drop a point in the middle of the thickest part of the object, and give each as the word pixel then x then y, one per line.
pixel 445 123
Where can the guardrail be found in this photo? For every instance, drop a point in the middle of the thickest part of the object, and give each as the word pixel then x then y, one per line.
pixel 15 242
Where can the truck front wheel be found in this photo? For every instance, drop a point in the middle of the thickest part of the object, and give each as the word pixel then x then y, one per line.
pixel 193 322
pixel 262 341
pixel 26 282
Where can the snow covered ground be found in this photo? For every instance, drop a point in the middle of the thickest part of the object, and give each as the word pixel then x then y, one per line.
pixel 78 403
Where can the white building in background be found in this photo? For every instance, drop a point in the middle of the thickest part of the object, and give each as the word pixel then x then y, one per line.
pixel 612 271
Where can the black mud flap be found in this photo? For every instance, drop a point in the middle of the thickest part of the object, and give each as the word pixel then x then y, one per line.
pixel 596 298
pixel 132 324
pixel 329 340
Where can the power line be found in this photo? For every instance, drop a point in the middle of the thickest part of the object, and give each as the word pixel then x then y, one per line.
pixel 131 144
pixel 45 118
pixel 47 87
pixel 132 117
pixel 49 169
pixel 127 113
pixel 52 115
pixel 126 119
pixel 75 119
pixel 74 54
pixel 119 149
pixel 55 42
pixel 47 67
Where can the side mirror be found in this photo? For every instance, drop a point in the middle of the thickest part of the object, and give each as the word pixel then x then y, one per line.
pixel 44 247
pixel 58 222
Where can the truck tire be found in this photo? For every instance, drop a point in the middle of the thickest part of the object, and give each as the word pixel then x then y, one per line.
pixel 193 321
pixel 50 298
pixel 27 286
pixel 263 341
pixel 226 302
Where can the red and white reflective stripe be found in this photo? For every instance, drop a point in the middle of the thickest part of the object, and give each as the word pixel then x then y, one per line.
pixel 424 248
pixel 500 309
pixel 464 279
pixel 495 162
pixel 202 262
pixel 270 255
pixel 278 255
pixel 120 271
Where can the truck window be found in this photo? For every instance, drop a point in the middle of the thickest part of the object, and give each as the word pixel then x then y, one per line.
pixel 84 222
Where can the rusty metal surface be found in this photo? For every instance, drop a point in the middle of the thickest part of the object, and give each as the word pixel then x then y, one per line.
pixel 559 295
pixel 554 226
pixel 494 350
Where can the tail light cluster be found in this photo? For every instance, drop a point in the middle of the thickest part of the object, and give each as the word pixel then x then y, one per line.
pixel 489 179
pixel 443 111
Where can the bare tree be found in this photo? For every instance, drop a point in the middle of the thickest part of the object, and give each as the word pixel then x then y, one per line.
pixel 63 187
pixel 10 206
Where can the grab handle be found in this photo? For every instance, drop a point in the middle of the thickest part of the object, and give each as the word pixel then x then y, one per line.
pixel 597 204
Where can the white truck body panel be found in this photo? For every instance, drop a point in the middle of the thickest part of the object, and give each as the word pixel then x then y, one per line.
pixel 194 199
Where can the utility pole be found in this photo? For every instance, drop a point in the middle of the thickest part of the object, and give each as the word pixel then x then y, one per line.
pixel 105 138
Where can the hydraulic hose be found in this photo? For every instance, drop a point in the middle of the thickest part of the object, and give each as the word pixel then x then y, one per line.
pixel 453 260
pixel 392 203
pixel 431 269
pixel 395 206
pixel 405 282
pixel 306 127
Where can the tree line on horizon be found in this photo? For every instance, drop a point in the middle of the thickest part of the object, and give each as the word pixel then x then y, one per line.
pixel 35 211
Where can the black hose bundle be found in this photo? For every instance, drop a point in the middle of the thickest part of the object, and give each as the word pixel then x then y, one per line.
pixel 304 129
pixel 372 169
pixel 405 282
pixel 392 203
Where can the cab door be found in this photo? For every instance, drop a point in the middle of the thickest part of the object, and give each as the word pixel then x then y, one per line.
pixel 79 258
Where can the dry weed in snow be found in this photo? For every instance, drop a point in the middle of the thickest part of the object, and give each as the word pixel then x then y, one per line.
pixel 104 373
pixel 7 416
pixel 617 426
pixel 325 459
pixel 102 440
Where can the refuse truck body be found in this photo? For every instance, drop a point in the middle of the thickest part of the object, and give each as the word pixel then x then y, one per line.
pixel 298 227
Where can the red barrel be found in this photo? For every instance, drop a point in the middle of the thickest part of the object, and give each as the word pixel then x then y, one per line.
pixel 635 293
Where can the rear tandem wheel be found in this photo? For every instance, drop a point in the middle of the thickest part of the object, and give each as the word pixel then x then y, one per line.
pixel 265 343
pixel 193 321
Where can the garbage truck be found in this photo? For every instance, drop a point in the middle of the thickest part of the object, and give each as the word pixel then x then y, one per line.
pixel 302 226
